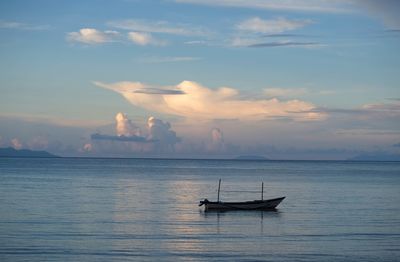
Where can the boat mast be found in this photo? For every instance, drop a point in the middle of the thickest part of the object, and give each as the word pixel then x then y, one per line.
pixel 262 191
pixel 219 187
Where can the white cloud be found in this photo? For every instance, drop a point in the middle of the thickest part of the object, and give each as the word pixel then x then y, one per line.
pixel 332 6
pixel 274 26
pixel 199 102
pixel 158 27
pixel 125 127
pixel 141 38
pixel 92 36
pixel 161 132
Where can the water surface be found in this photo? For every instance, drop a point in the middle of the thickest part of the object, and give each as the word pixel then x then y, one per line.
pixel 146 210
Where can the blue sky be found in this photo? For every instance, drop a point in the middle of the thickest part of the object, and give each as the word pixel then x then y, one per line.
pixel 311 77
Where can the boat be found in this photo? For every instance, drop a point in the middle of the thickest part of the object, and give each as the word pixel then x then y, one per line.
pixel 268 204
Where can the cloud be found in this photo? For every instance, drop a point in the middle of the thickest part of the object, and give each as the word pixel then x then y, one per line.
pixel 121 138
pixel 249 32
pixel 143 39
pixel 125 127
pixel 158 91
pixel 87 147
pixel 274 26
pixel 333 6
pixel 170 59
pixel 385 10
pixel 284 92
pixel 161 132
pixel 217 143
pixel 158 27
pixel 200 102
pixel 285 43
pixel 126 131
pixel 38 143
pixel 159 138
pixel 92 36
pixel 378 109
pixel 16 144
pixel 282 35
pixel 22 26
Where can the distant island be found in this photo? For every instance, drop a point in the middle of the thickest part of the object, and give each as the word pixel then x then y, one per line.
pixel 376 157
pixel 11 152
pixel 250 157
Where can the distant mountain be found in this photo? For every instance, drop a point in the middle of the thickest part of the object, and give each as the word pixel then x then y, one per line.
pixel 11 152
pixel 376 157
pixel 250 157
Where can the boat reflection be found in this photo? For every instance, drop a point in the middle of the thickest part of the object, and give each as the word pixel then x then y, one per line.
pixel 228 218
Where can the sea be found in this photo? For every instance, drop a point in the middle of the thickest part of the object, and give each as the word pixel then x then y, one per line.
pixel 81 209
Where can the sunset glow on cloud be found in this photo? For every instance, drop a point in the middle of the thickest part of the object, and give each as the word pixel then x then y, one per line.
pixel 192 100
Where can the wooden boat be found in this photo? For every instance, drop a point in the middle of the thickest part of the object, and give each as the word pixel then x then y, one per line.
pixel 269 204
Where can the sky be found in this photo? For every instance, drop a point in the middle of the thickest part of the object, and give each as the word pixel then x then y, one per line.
pixel 306 79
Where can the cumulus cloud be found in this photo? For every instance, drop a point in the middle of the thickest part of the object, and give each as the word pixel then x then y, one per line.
pixel 87 147
pixel 217 143
pixel 158 137
pixel 274 26
pixel 200 102
pixel 15 143
pixel 143 39
pixel 161 132
pixel 92 36
pixel 125 127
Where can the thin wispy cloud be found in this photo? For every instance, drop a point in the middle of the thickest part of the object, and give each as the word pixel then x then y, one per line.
pixel 122 138
pixel 93 36
pixel 22 26
pixel 285 43
pixel 383 110
pixel 333 6
pixel 158 91
pixel 254 31
pixel 285 35
pixel 273 26
pixel 163 27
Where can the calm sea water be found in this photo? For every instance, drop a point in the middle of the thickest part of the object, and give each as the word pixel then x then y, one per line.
pixel 146 210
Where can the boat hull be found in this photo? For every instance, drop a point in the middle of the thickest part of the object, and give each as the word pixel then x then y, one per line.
pixel 247 205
